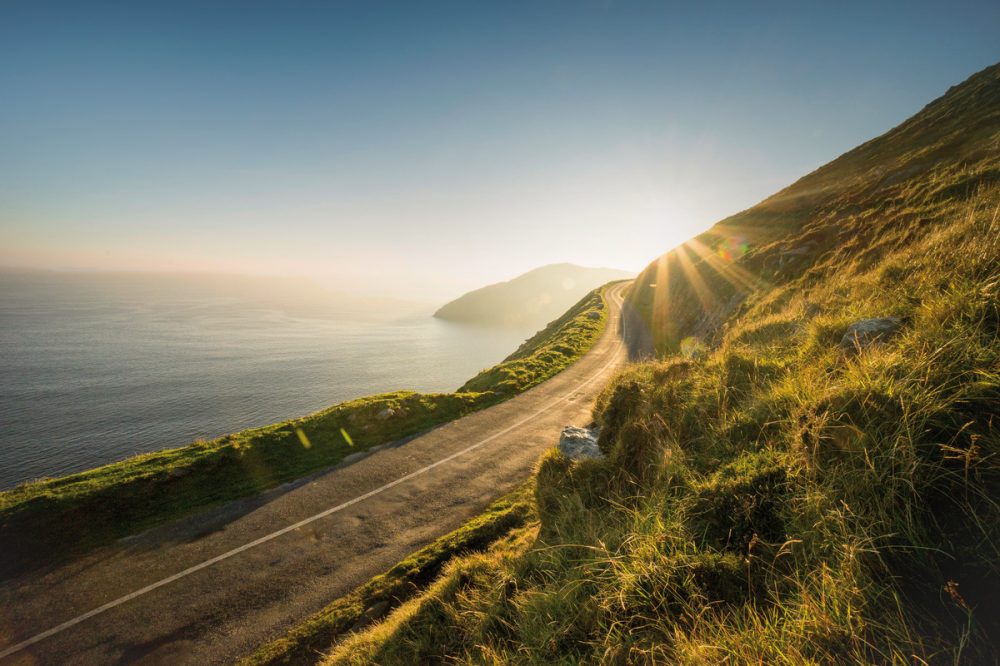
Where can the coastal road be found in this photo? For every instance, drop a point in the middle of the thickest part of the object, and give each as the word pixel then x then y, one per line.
pixel 211 588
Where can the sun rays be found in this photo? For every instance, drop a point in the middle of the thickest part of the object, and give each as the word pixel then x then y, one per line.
pixel 710 269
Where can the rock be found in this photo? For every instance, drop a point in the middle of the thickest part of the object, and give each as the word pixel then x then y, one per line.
pixel 794 253
pixel 578 443
pixel 863 333
pixel 800 251
pixel 386 413
pixel 595 315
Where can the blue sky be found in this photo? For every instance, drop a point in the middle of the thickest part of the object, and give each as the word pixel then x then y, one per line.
pixel 428 148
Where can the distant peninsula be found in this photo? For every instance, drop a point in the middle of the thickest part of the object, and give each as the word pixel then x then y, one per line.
pixel 532 299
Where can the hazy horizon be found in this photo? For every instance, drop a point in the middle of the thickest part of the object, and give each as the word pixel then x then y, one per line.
pixel 310 284
pixel 429 150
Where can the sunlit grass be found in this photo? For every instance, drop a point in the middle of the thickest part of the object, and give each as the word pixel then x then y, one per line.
pixel 767 496
pixel 778 501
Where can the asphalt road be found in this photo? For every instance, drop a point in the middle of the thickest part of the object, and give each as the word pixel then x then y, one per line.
pixel 211 588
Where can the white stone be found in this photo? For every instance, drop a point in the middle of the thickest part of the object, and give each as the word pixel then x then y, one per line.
pixel 578 443
pixel 862 333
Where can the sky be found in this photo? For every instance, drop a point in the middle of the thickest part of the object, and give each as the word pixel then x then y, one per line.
pixel 421 149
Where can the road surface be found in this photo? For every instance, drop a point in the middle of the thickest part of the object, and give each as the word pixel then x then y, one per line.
pixel 213 587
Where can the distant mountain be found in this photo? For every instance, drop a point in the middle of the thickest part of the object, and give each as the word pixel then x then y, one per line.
pixel 532 299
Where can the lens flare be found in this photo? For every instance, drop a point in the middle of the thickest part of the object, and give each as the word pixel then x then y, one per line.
pixel 732 248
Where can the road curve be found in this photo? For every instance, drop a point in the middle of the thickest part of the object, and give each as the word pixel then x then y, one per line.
pixel 213 587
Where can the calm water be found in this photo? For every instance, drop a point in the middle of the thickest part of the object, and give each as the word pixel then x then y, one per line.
pixel 95 370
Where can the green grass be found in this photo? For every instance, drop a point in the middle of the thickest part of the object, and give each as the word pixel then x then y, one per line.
pixel 53 518
pixel 768 497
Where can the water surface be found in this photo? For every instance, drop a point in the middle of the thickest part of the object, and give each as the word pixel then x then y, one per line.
pixel 97 368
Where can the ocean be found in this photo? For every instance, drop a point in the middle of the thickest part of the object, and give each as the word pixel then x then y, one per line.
pixel 96 368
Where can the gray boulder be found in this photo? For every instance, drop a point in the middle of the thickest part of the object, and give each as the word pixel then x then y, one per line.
pixel 863 333
pixel 579 443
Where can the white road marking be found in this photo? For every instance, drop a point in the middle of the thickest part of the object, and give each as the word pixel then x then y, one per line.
pixel 323 514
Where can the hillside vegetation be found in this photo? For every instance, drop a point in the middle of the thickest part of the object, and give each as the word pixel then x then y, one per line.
pixel 531 299
pixel 776 490
pixel 47 519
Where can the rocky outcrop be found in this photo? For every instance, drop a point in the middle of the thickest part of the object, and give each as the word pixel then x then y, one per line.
pixel 579 443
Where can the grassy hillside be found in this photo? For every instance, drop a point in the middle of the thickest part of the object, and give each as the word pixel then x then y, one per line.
pixel 51 518
pixel 881 196
pixel 776 490
pixel 531 299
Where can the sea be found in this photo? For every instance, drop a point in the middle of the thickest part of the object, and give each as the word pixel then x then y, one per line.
pixel 98 367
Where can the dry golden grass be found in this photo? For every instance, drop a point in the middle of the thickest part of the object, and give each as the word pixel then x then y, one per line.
pixel 771 497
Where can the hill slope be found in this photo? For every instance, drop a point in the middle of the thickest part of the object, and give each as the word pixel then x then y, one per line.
pixel 782 491
pixel 532 299
pixel 882 195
